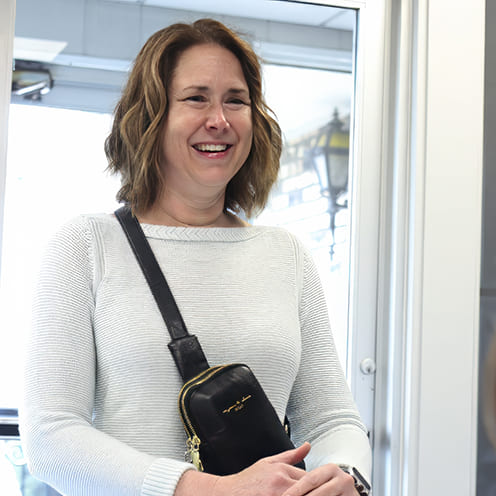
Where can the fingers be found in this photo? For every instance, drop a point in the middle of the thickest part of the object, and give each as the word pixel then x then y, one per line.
pixel 327 480
pixel 291 457
pixel 270 476
pixel 295 473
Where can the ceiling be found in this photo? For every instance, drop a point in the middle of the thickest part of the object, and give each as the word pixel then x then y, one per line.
pixel 269 10
pixel 88 45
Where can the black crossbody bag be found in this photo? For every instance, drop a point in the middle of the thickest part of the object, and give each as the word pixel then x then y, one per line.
pixel 229 421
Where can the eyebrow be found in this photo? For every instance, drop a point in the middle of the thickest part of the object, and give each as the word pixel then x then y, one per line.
pixel 236 91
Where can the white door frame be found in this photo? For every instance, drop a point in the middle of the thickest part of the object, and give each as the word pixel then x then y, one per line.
pixel 428 312
pixel 7 24
pixel 419 124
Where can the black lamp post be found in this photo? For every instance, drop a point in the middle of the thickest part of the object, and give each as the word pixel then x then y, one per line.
pixel 329 158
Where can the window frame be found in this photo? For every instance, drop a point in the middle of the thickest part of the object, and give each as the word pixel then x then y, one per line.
pixel 7 24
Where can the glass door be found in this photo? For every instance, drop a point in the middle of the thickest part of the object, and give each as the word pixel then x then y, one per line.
pixel 312 195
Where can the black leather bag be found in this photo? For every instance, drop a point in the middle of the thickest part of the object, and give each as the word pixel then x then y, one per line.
pixel 229 421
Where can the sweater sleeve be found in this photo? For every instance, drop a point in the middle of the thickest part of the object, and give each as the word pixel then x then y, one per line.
pixel 321 408
pixel 62 447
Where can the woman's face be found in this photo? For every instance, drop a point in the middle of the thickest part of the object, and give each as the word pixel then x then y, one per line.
pixel 208 130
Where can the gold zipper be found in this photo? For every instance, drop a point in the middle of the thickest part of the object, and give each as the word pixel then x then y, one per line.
pixel 208 373
pixel 193 450
pixel 193 442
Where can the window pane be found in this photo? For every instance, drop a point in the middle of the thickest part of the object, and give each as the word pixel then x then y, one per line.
pixel 311 197
pixel 56 162
pixel 56 171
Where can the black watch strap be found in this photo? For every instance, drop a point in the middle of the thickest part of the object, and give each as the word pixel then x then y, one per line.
pixel 361 484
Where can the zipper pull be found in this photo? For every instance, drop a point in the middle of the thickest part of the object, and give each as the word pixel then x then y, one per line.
pixel 193 445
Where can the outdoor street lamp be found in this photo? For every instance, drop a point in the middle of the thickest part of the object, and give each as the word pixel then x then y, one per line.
pixel 329 157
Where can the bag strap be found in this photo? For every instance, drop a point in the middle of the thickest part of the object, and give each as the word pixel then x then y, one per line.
pixel 185 348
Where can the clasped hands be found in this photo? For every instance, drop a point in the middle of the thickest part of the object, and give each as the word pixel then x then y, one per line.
pixel 272 476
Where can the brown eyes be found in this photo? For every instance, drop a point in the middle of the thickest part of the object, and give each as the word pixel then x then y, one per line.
pixel 231 102
pixel 196 98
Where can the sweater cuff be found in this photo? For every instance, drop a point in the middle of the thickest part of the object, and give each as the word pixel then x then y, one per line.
pixel 163 476
pixel 347 446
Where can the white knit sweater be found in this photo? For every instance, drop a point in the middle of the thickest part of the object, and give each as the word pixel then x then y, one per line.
pixel 100 411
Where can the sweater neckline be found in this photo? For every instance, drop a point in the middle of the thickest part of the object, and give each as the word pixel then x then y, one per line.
pixel 219 234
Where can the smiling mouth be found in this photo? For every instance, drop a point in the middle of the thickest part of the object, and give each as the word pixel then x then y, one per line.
pixel 211 148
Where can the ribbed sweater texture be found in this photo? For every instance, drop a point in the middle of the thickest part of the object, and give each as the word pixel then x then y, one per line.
pixel 100 413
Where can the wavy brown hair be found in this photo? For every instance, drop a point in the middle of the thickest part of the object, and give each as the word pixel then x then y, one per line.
pixel 133 147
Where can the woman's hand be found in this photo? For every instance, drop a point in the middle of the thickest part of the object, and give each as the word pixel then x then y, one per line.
pixel 327 480
pixel 270 476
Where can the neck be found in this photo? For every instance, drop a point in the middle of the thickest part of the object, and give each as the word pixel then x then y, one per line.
pixel 171 210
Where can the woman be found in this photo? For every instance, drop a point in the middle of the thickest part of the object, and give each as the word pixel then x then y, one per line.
pixel 195 145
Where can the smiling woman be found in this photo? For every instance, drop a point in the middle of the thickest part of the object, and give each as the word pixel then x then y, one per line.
pixel 207 137
pixel 42 173
pixel 195 146
pixel 156 69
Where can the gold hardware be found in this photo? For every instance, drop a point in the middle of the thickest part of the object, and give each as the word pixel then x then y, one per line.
pixel 193 445
pixel 238 405
pixel 193 442
pixel 196 380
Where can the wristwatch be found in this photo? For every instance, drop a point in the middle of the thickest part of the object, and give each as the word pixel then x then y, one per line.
pixel 361 485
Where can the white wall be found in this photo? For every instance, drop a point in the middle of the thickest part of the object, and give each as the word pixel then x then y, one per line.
pixel 449 303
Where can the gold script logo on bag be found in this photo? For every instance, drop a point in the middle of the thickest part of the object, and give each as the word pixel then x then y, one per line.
pixel 239 405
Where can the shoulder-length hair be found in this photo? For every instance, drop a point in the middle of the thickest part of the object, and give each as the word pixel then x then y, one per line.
pixel 133 147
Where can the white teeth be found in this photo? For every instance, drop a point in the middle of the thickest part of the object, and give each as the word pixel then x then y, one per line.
pixel 211 148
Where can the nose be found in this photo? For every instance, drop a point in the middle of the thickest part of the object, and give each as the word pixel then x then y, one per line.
pixel 216 118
